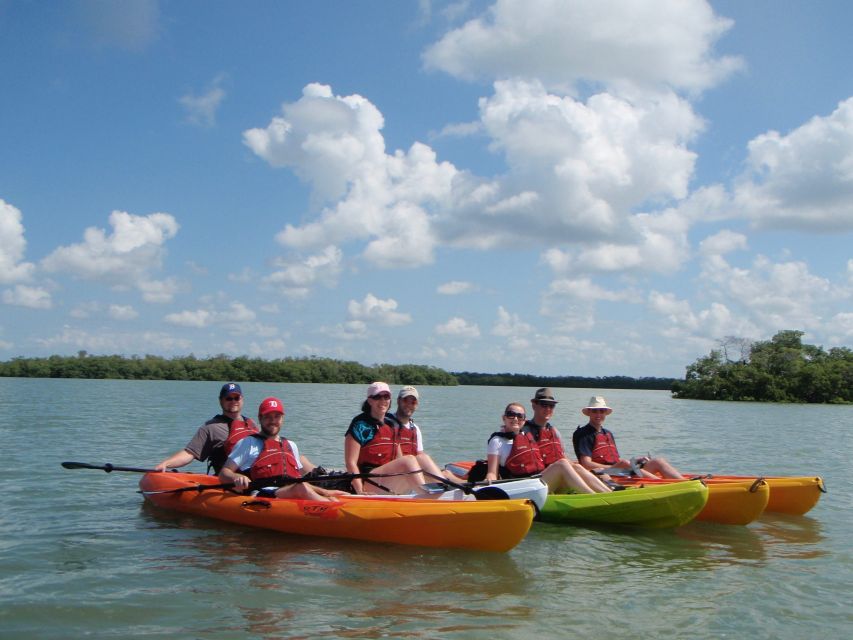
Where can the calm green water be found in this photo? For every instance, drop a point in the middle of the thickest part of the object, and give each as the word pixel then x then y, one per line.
pixel 81 556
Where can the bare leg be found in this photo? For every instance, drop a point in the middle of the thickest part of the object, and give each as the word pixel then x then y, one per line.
pixel 663 467
pixel 429 465
pixel 413 479
pixel 301 491
pixel 561 475
pixel 592 481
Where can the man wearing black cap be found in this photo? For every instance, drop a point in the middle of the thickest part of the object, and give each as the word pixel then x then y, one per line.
pixel 548 438
pixel 209 441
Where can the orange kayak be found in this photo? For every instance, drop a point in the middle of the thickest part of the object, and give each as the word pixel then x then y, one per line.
pixel 794 495
pixel 489 525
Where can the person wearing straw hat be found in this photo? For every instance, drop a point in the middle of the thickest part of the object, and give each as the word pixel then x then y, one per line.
pixel 514 453
pixel 595 447
pixel 550 445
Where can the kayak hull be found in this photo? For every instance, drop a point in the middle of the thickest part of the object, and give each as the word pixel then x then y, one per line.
pixel 736 502
pixel 794 495
pixel 488 525
pixel 656 507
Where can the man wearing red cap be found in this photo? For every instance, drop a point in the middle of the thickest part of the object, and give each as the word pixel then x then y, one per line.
pixel 209 442
pixel 267 455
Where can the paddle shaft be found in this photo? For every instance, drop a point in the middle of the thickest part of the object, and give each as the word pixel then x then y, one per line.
pixel 282 481
pixel 108 467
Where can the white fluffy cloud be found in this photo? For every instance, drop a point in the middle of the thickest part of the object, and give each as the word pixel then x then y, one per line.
pixel 458 327
pixel 106 341
pixel 124 258
pixel 295 278
pixel 201 109
pixel 723 242
pixel 196 319
pixel 578 170
pixel 335 144
pixel 774 295
pixel 802 180
pixel 373 310
pixel 12 246
pixel 22 295
pixel 235 319
pixel 159 291
pixel 584 289
pixel 617 43
pixel 122 312
pixel 456 288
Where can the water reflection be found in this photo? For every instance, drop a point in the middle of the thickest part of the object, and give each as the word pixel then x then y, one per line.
pixel 724 544
pixel 279 576
pixel 792 536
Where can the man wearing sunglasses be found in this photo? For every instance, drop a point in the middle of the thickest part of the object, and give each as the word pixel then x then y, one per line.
pixel 595 448
pixel 550 443
pixel 209 442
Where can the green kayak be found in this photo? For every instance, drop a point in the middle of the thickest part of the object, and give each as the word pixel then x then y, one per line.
pixel 655 507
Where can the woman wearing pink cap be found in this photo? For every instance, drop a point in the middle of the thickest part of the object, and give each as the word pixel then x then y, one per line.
pixel 370 446
pixel 268 455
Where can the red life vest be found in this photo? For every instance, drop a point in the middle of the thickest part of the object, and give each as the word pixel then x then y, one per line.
pixel 408 440
pixel 604 449
pixel 380 449
pixel 524 459
pixel 237 430
pixel 275 460
pixel 550 446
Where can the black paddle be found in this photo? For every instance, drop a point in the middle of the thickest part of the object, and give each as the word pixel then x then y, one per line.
pixel 282 481
pixel 107 467
pixel 488 492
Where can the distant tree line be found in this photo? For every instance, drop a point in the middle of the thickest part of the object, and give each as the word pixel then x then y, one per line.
pixel 781 369
pixel 312 369
pixel 525 380
pixel 243 369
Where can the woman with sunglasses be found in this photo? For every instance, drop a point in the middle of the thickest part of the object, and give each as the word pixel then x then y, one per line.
pixel 513 453
pixel 595 447
pixel 370 447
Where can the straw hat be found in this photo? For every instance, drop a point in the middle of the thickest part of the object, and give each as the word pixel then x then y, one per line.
pixel 597 402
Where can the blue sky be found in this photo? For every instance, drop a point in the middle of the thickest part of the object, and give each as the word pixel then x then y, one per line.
pixel 551 187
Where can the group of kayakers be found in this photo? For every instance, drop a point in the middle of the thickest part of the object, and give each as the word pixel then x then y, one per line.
pixel 384 453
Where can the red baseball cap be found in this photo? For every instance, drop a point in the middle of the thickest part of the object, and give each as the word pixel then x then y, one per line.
pixel 270 405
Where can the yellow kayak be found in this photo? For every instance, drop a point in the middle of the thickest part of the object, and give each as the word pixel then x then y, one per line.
pixel 488 525
pixel 795 495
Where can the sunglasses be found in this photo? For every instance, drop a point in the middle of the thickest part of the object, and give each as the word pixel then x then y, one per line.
pixel 550 405
pixel 381 396
pixel 597 410
pixel 233 398
pixel 513 414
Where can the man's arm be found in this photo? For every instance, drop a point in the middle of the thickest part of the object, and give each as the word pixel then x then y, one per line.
pixel 230 473
pixel 177 459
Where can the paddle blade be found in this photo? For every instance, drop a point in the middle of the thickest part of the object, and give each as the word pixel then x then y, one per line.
pixel 79 465
pixel 491 493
